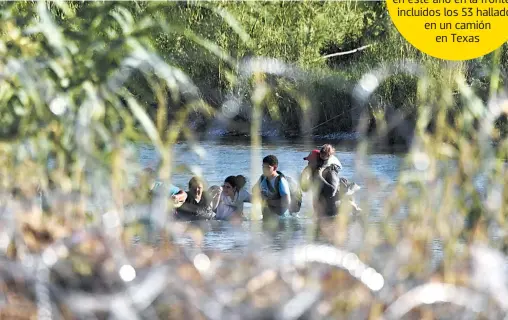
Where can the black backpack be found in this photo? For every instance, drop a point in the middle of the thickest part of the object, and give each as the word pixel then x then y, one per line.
pixel 295 192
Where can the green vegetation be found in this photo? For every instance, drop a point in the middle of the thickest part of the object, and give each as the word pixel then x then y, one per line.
pixel 304 33
pixel 81 81
pixel 207 41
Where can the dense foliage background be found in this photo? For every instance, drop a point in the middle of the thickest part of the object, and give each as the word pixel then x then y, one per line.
pixel 208 41
pixel 304 33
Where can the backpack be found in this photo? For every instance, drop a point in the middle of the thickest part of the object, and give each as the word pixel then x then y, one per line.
pixel 295 192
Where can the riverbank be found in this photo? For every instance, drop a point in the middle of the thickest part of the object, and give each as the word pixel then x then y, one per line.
pixel 341 140
pixel 274 132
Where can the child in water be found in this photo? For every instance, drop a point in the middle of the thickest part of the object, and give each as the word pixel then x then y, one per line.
pixel 327 155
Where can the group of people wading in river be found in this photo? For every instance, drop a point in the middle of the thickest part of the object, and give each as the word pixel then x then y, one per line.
pixel 280 195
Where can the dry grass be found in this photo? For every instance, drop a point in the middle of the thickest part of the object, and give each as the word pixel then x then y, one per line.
pixel 51 111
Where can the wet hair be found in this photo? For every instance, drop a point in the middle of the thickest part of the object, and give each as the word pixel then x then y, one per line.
pixel 240 181
pixel 194 181
pixel 327 149
pixel 271 160
pixel 232 181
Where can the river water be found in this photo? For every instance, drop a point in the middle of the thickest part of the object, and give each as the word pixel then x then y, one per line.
pixel 232 157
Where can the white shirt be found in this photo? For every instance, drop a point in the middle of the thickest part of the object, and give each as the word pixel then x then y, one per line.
pixel 227 207
pixel 244 196
pixel 332 160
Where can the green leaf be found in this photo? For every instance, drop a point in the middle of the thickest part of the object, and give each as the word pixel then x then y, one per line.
pixel 147 124
pixel 233 23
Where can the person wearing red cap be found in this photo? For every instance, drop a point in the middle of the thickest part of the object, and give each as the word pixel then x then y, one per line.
pixel 313 165
pixel 313 155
